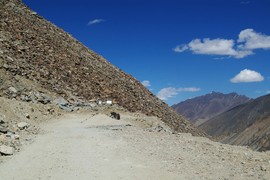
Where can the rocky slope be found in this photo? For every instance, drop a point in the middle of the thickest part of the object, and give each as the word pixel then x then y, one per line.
pixel 32 49
pixel 203 108
pixel 247 124
pixel 19 123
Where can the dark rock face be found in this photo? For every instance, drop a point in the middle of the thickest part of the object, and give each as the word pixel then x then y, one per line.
pixel 203 108
pixel 247 124
pixel 37 50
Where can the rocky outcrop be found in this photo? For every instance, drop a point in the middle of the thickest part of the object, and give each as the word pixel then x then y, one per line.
pixel 40 52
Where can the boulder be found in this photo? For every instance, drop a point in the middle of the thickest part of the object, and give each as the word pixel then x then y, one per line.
pixel 157 128
pixel 16 136
pixel 6 150
pixel 25 97
pixel 12 90
pixel 2 137
pixel 43 98
pixel 66 108
pixel 115 115
pixel 10 134
pixel 2 119
pixel 61 102
pixel 3 130
pixel 27 116
pixel 22 125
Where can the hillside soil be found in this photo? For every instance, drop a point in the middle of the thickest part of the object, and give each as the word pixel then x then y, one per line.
pixel 92 145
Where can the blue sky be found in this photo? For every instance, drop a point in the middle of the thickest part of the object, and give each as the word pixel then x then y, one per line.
pixel 178 48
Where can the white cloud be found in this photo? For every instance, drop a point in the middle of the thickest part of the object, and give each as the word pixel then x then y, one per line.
pixel 169 92
pixel 243 53
pixel 146 83
pixel 212 47
pixel 223 47
pixel 245 2
pixel 253 40
pixel 246 76
pixel 248 40
pixel 263 92
pixel 189 89
pixel 95 21
pixel 180 48
pixel 166 93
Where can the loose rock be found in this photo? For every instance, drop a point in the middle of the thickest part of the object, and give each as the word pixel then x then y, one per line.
pixel 2 137
pixel 12 90
pixel 263 168
pixel 61 102
pixel 6 150
pixel 43 98
pixel 3 129
pixel 115 115
pixel 22 125
pixel 16 136
pixel 66 108
pixel 2 119
pixel 27 116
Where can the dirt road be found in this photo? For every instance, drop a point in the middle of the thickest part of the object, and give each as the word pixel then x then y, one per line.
pixel 86 146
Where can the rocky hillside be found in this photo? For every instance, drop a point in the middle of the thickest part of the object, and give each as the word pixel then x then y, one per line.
pixel 247 124
pixel 33 49
pixel 203 108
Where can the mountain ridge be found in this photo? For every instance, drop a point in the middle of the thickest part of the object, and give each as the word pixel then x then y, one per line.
pixel 247 124
pixel 205 107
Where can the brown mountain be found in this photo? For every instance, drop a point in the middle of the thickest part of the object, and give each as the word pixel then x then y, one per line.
pixel 34 50
pixel 247 124
pixel 203 108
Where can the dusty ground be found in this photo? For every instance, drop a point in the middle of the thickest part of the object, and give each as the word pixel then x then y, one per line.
pixel 94 146
pixel 13 112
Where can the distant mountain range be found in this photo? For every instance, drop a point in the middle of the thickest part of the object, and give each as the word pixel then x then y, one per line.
pixel 247 124
pixel 200 109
